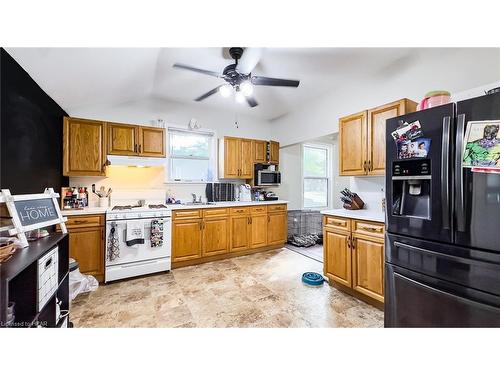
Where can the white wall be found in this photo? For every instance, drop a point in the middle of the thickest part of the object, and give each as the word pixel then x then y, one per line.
pixel 291 176
pixel 454 72
pixel 138 183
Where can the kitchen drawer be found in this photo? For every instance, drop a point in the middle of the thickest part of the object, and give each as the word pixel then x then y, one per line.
pixel 236 211
pixel 337 222
pixel 215 212
pixel 186 214
pixel 276 207
pixel 258 210
pixel 84 221
pixel 369 228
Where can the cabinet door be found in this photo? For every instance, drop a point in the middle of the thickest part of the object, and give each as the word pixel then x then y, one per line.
pixel 376 132
pixel 231 157
pixel 276 228
pixel 186 239
pixel 258 231
pixel 368 266
pixel 352 145
pixel 259 151
pixel 151 141
pixel 274 157
pixel 215 236
pixel 240 233
pixel 86 246
pixel 337 256
pixel 122 139
pixel 84 151
pixel 246 158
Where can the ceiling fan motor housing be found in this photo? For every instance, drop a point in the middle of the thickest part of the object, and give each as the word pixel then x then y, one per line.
pixel 236 52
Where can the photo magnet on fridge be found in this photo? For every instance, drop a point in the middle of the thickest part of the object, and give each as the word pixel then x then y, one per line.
pixel 418 148
pixel 408 132
pixel 482 145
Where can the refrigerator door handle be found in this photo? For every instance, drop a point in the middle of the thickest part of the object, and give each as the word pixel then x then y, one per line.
pixel 459 175
pixel 445 173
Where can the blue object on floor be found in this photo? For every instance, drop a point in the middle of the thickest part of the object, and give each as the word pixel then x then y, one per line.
pixel 312 278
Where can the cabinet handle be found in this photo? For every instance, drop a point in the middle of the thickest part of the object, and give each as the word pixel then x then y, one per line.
pixel 353 247
pixel 201 226
pixel 251 221
pixel 80 221
pixel 370 229
pixel 349 242
pixel 370 165
pixel 135 147
pixel 268 219
pixel 364 166
pixel 140 149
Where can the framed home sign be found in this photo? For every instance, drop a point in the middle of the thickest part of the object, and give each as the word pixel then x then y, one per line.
pixel 32 211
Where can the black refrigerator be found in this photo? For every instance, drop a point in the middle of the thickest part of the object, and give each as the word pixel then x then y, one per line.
pixel 442 252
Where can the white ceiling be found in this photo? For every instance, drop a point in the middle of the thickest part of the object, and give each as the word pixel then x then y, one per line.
pixel 78 77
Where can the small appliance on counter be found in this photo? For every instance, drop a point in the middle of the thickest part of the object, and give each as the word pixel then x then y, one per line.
pixel 351 200
pixel 270 196
pixel 266 175
pixel 220 192
pixel 245 193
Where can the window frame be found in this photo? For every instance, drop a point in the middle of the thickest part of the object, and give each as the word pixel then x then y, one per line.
pixel 327 177
pixel 212 154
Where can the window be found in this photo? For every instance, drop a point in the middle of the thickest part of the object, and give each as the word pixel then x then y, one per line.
pixel 191 156
pixel 315 173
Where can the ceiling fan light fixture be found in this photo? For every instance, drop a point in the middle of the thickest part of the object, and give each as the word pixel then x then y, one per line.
pixel 246 88
pixel 239 97
pixel 225 90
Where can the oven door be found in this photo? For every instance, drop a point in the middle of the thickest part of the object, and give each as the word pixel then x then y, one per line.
pixel 139 252
pixel 268 178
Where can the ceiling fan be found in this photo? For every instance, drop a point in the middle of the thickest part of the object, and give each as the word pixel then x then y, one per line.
pixel 238 76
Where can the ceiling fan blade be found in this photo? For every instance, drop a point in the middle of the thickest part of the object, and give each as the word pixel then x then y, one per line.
pixel 207 94
pixel 251 101
pixel 266 81
pixel 249 60
pixel 193 69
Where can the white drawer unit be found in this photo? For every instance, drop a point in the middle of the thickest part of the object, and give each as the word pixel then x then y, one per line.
pixel 47 276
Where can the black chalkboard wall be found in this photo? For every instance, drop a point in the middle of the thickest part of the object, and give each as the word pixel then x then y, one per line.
pixel 31 133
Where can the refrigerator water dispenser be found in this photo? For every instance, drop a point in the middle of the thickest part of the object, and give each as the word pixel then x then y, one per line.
pixel 411 188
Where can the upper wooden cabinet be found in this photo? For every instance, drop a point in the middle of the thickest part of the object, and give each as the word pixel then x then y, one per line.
pixel 362 138
pixel 352 135
pixel 133 140
pixel 259 151
pixel 122 139
pixel 274 152
pixel 84 151
pixel 151 141
pixel 235 158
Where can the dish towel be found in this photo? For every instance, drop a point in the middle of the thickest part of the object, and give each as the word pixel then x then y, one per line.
pixel 113 248
pixel 157 233
pixel 135 233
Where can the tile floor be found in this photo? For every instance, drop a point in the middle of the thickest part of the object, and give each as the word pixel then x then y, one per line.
pixel 259 290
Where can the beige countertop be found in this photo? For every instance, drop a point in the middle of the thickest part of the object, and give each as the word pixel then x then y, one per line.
pixel 371 215
pixel 85 211
pixel 224 204
pixel 102 210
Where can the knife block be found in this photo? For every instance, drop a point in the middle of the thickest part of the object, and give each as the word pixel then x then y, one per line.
pixel 356 204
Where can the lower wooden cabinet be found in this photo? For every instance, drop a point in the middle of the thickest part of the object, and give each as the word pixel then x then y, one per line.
pixel 215 236
pixel 354 255
pixel 258 230
pixel 87 243
pixel 186 239
pixel 276 228
pixel 368 266
pixel 337 259
pixel 240 233
pixel 204 233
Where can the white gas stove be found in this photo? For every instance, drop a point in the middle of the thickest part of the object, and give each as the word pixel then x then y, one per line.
pixel 138 241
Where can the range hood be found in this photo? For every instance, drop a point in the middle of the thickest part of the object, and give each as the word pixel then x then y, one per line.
pixel 135 161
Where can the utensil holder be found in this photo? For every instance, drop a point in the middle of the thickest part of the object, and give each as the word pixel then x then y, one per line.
pixel 103 202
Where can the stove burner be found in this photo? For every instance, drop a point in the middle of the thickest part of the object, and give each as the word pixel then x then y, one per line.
pixel 120 208
pixel 153 206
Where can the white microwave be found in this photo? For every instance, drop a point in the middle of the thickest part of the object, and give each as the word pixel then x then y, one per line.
pixel 266 177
